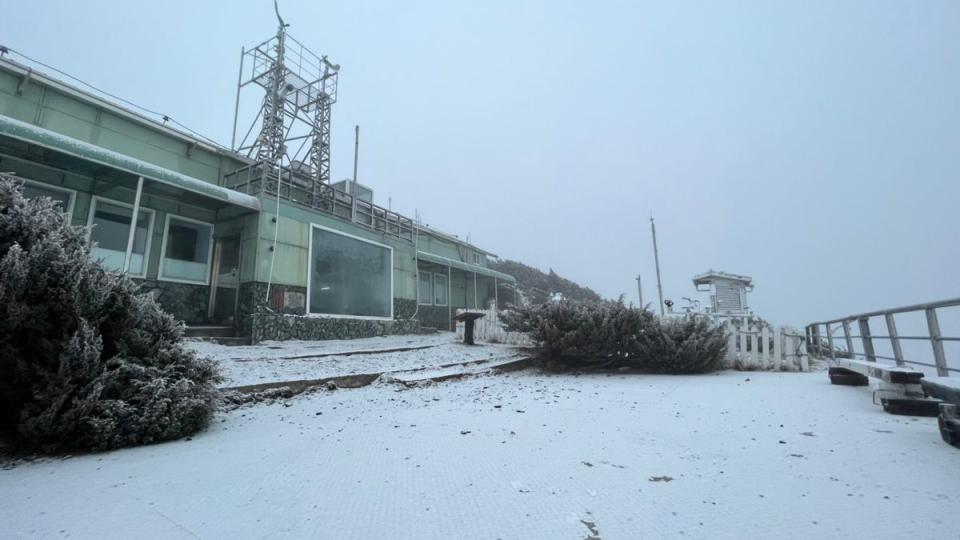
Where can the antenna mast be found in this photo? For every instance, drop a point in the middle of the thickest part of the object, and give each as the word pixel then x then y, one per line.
pixel 656 259
pixel 299 88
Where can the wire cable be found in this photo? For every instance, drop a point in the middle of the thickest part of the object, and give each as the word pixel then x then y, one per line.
pixel 164 117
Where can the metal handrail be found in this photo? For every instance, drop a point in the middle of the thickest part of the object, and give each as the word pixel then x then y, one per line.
pixel 914 307
pixel 823 345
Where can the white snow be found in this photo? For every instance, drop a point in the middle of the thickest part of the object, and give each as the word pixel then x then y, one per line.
pixel 273 361
pixel 781 455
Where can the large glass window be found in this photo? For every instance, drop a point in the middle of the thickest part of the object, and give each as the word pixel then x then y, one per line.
pixel 111 228
pixel 186 250
pixel 350 276
pixel 425 294
pixel 61 197
pixel 440 289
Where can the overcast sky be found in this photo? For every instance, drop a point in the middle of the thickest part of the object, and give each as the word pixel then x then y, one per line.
pixel 812 145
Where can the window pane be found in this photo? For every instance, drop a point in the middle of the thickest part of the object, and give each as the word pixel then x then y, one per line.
pixel 426 291
pixel 111 228
pixel 349 276
pixel 61 198
pixel 187 254
pixel 440 289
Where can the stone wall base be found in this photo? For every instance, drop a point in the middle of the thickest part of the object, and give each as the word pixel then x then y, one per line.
pixel 276 326
pixel 186 302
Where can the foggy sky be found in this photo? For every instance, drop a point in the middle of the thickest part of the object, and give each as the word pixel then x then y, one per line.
pixel 812 145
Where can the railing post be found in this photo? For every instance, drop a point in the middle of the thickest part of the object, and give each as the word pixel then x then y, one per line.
pixel 765 341
pixel 848 339
pixel 778 348
pixel 894 340
pixel 830 341
pixel 939 356
pixel 815 346
pixel 867 340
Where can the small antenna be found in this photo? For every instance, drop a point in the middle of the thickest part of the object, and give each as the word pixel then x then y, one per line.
pixel 276 8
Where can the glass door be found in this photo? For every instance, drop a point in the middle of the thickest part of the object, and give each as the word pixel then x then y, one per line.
pixel 225 285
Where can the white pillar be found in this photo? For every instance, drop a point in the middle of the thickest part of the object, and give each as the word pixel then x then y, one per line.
pixel 133 226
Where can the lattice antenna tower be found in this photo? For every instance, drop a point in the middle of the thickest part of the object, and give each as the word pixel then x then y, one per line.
pixel 299 89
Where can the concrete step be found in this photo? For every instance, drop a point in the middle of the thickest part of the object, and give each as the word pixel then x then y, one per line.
pixel 210 331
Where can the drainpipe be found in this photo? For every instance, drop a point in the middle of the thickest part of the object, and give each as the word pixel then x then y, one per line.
pixel 449 302
pixel 133 226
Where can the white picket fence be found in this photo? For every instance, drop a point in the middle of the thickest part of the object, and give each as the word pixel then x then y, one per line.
pixel 489 328
pixel 777 349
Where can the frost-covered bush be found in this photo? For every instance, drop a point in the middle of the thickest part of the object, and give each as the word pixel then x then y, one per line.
pixel 583 334
pixel 611 335
pixel 85 361
pixel 688 345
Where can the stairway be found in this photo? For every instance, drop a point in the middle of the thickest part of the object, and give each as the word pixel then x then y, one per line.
pixel 224 335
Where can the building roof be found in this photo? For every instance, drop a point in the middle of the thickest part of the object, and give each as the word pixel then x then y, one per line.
pixel 56 141
pixel 713 275
pixel 452 238
pixel 100 101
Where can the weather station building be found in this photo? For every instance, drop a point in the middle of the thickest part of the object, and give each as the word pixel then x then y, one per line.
pixel 728 293
pixel 252 240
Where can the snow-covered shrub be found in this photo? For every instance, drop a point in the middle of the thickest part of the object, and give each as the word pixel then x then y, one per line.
pixel 583 334
pixel 687 345
pixel 85 361
pixel 611 335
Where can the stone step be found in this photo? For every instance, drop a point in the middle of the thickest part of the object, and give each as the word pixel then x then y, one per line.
pixel 210 331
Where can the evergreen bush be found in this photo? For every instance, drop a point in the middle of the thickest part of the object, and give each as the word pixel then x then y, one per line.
pixel 85 361
pixel 611 335
pixel 688 345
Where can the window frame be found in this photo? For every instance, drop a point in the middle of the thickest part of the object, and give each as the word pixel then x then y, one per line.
pixel 153 214
pixel 429 301
pixel 310 274
pixel 446 290
pixel 163 250
pixel 53 187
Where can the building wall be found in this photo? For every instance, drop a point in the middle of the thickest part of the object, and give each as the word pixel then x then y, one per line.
pixel 293 240
pixel 99 124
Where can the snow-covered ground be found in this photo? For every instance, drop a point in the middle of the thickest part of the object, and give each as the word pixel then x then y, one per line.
pixel 519 455
pixel 298 360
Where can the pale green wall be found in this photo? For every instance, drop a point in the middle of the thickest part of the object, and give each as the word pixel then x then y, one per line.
pixel 87 121
pixel 293 237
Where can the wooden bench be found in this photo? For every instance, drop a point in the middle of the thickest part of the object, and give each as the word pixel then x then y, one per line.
pixel 900 387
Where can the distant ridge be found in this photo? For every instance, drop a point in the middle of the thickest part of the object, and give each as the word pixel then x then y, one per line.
pixel 537 286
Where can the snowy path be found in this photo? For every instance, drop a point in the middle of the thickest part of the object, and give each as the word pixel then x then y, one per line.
pixel 778 456
pixel 299 360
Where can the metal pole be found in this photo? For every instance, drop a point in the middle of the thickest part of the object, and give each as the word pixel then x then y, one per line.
pixel 450 302
pixel 830 340
pixel 848 339
pixel 236 106
pixel 939 356
pixel 496 293
pixel 133 225
pixel 353 183
pixel 894 340
pixel 639 291
pixel 656 259
pixel 867 340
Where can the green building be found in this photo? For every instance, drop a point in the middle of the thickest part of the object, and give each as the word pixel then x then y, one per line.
pixel 213 240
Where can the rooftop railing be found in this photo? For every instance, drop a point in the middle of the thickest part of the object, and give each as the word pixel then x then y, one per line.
pixel 301 189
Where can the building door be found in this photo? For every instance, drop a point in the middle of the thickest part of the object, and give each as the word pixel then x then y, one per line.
pixel 225 283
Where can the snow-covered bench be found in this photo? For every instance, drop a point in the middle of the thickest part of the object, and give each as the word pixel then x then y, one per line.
pixel 948 390
pixel 900 387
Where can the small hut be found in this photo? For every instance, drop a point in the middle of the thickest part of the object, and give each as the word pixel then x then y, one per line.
pixel 728 293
